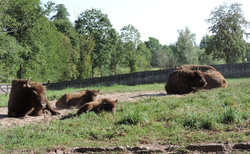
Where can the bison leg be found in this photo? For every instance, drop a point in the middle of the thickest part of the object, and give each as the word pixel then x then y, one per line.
pixel 35 112
pixel 12 113
pixel 49 108
pixel 83 109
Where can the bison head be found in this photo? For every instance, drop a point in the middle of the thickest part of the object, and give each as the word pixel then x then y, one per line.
pixel 37 94
pixel 198 79
pixel 93 94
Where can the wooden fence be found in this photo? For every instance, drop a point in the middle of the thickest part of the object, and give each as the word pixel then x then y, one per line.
pixel 5 88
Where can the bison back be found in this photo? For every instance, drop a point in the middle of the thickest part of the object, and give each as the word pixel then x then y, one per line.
pixel 214 80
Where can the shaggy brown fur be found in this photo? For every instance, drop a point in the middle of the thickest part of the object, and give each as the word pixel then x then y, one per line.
pixel 76 99
pixel 184 81
pixel 28 97
pixel 98 106
pixel 203 68
pixel 214 80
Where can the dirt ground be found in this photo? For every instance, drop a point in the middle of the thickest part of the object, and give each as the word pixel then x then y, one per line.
pixel 128 97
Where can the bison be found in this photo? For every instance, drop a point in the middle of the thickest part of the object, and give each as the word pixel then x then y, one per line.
pixel 97 106
pixel 185 81
pixel 214 79
pixel 76 99
pixel 27 97
pixel 203 68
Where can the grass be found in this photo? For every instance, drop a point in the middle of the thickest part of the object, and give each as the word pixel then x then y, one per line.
pixel 209 116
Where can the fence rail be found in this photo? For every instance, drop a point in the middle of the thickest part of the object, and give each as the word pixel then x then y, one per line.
pixel 5 88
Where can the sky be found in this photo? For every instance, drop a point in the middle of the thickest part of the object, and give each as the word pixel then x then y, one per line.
pixel 161 19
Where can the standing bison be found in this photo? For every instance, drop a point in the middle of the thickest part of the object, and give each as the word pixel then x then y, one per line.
pixel 28 97
pixel 76 99
pixel 185 81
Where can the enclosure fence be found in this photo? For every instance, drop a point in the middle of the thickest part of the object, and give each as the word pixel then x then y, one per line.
pixel 137 78
pixel 148 77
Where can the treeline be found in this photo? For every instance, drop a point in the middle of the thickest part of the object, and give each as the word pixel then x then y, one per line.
pixel 34 43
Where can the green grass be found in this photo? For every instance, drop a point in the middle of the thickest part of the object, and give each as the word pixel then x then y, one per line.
pixel 209 116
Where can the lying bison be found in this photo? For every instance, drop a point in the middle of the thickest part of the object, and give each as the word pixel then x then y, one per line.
pixel 185 81
pixel 203 68
pixel 76 99
pixel 214 79
pixel 27 97
pixel 97 106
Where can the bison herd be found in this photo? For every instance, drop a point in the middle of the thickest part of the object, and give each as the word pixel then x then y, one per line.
pixel 28 98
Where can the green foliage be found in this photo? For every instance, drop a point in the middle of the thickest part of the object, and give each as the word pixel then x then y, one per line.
pixel 94 22
pixel 155 48
pixel 130 33
pixel 167 60
pixel 61 13
pixel 186 49
pixel 228 29
pixel 84 66
pixel 118 54
pixel 32 44
pixel 132 116
pixel 9 57
pixel 144 56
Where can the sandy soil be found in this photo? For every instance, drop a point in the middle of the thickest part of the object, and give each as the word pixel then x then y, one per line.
pixel 122 97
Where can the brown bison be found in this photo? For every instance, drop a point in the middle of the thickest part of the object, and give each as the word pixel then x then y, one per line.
pixel 76 99
pixel 27 97
pixel 203 68
pixel 184 81
pixel 214 79
pixel 97 106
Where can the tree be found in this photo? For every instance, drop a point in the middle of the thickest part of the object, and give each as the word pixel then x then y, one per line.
pixel 9 57
pixel 94 22
pixel 155 47
pixel 61 13
pixel 166 58
pixel 144 56
pixel 20 15
pixel 186 48
pixel 118 55
pixel 206 59
pixel 130 33
pixel 228 28
pixel 84 65
pixel 205 41
pixel 130 57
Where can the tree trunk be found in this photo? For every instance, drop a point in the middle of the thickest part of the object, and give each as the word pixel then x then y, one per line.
pixel 93 71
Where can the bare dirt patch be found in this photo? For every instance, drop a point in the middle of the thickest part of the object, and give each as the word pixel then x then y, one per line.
pixel 6 121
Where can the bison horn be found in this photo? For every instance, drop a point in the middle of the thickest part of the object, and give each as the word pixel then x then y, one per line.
pixel 28 85
pixel 198 68
pixel 46 84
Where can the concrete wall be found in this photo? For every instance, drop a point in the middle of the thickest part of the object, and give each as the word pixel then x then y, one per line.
pixel 227 70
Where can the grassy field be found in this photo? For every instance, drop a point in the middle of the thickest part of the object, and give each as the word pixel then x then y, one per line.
pixel 209 116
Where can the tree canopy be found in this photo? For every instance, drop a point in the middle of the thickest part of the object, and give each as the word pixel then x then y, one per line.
pixel 39 40
pixel 228 28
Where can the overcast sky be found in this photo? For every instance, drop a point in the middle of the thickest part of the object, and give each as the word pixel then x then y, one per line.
pixel 160 19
